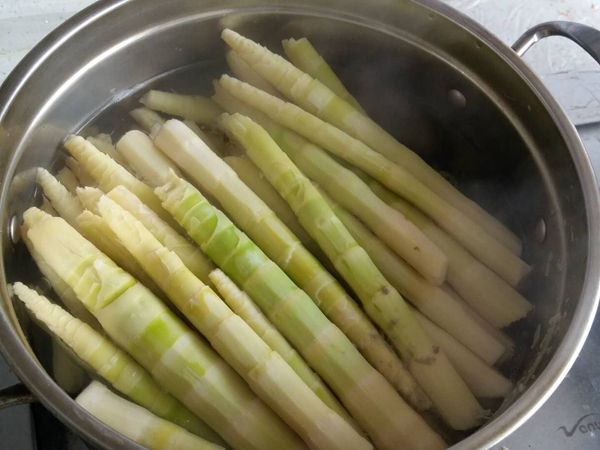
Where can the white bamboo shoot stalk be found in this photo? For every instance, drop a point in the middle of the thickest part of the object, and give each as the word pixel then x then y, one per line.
pixel 349 190
pixel 483 380
pixel 67 179
pixel 316 98
pixel 499 335
pixel 244 72
pixel 97 231
pixel 84 178
pixel 108 173
pixel 103 142
pixel 492 297
pixel 89 196
pixel 62 289
pixel 137 423
pixel 66 204
pixel 104 137
pixel 147 118
pixel 468 233
pixel 261 224
pixel 147 161
pixel 47 207
pixel 243 306
pixel 432 301
pixel 213 142
pixel 199 109
pixel 191 255
pixel 305 57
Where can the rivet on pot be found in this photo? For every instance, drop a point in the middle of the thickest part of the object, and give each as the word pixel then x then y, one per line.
pixel 14 230
pixel 457 99
pixel 539 233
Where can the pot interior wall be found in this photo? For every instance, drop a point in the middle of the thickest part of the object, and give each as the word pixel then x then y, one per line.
pixel 433 85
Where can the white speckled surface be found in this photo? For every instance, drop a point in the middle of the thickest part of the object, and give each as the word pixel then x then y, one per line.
pixel 568 71
pixel 23 23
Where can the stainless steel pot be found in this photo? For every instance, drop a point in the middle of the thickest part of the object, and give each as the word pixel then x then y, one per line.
pixel 443 84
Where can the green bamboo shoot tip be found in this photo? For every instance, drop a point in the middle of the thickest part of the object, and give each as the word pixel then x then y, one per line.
pixel 80 253
pixel 137 423
pixel 62 289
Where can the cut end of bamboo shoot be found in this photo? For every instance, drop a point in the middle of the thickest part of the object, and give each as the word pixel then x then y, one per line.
pixel 89 196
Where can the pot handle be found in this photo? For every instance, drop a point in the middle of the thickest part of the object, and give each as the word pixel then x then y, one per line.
pixel 586 37
pixel 15 395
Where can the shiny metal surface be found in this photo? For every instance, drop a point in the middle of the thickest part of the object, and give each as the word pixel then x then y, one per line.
pixel 570 419
pixel 586 37
pixel 504 138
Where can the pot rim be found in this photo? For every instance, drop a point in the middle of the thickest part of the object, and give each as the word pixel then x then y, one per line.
pixel 62 406
pixel 566 354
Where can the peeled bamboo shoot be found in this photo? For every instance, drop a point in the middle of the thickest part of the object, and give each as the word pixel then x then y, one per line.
pixel 137 423
pixel 140 323
pixel 316 98
pixel 273 237
pixel 111 363
pixel 362 390
pixel 269 376
pixel 468 233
